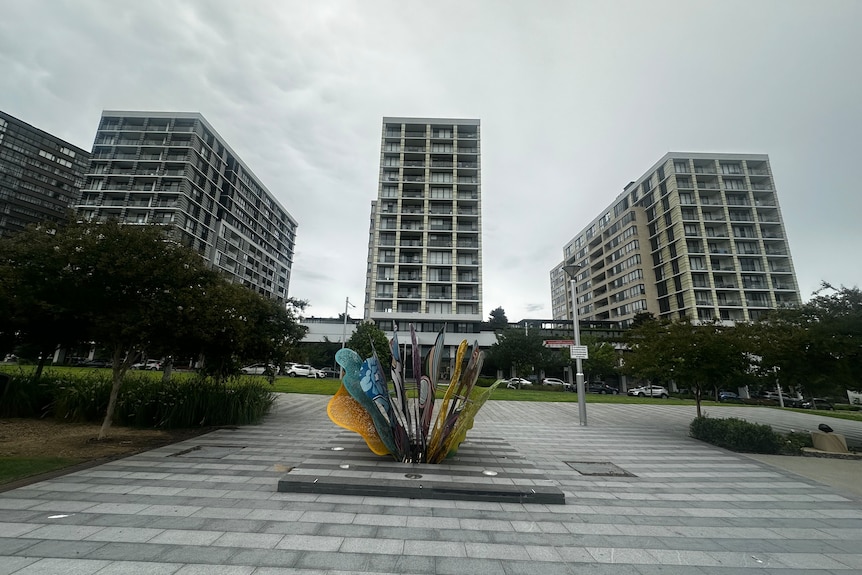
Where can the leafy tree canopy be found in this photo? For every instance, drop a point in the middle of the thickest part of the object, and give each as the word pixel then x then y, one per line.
pixel 498 319
pixel 361 341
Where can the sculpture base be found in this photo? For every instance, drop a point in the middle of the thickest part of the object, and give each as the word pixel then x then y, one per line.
pixel 485 469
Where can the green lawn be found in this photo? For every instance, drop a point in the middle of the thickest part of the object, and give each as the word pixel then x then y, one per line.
pixel 14 468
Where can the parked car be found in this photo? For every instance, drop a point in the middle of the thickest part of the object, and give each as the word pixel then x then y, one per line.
pixel 728 396
pixel 302 370
pixel 329 372
pixel 602 388
pixel 650 391
pixel 564 385
pixel 257 369
pixel 516 382
pixel 817 403
pixel 149 365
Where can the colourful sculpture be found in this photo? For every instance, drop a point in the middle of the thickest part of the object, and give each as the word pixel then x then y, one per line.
pixel 398 420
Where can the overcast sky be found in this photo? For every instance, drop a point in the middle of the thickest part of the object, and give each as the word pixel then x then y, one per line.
pixel 576 99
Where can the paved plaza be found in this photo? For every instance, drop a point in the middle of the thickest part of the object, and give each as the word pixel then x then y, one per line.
pixel 210 506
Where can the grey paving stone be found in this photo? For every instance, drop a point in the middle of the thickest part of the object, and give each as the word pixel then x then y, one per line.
pixel 265 557
pixel 216 570
pixel 198 554
pixel 10 546
pixel 129 552
pixel 186 537
pixel 63 567
pixel 369 545
pixel 70 549
pixel 474 566
pixel 139 568
pixel 250 540
pixel 10 565
pixel 124 534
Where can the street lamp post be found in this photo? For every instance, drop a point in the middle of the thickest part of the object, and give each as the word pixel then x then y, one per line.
pixel 344 328
pixel 572 271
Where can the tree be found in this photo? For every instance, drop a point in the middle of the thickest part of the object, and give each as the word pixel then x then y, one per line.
pixel 363 336
pixel 701 357
pixel 498 319
pixel 35 285
pixel 816 347
pixel 521 351
pixel 602 358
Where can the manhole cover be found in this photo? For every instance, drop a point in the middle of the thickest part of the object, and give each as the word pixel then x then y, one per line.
pixel 599 468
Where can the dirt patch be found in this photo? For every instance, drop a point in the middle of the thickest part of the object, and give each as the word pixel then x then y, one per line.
pixel 49 438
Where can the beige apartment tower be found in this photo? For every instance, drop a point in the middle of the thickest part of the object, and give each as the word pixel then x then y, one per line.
pixel 698 236
pixel 425 236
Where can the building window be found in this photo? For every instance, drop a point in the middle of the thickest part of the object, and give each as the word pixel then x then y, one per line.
pixel 680 166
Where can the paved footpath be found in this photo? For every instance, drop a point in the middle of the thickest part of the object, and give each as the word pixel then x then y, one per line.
pixel 210 506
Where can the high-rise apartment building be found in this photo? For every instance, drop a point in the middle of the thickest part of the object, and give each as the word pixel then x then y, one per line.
pixel 174 168
pixel 698 236
pixel 40 175
pixel 425 240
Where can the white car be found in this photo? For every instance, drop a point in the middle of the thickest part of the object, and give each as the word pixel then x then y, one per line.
pixel 650 391
pixel 257 369
pixel 516 382
pixel 557 382
pixel 150 365
pixel 301 370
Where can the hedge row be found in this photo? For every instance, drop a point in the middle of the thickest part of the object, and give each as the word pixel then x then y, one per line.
pixel 743 436
pixel 143 401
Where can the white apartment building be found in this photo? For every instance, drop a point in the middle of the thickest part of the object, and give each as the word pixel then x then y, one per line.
pixel 698 235
pixel 173 168
pixel 425 236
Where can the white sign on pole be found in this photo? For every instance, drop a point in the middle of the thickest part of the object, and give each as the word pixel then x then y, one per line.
pixel 578 352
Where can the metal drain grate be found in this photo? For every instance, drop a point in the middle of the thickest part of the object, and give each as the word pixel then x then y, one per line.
pixel 599 468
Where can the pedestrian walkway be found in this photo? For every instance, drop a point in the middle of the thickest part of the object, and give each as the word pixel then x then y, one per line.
pixel 210 505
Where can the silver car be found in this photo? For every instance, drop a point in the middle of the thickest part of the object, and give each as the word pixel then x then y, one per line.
pixel 650 391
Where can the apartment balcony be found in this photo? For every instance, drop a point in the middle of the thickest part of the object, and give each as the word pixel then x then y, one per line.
pixel 420 149
pixel 468 165
pixel 439 296
pixel 467 150
pixel 758 172
pixel 752 284
pixel 761 187
pixel 440 244
pixel 705 170
pixel 414 134
pixel 467 136
pixel 413 163
pixel 414 178
pixel 409 295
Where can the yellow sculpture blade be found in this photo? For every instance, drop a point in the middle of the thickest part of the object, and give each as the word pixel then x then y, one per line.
pixel 477 399
pixel 348 413
pixel 435 441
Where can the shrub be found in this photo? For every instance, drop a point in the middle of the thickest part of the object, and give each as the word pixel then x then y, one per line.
pixel 846 407
pixel 795 441
pixel 25 396
pixel 194 402
pixel 737 435
pixel 144 401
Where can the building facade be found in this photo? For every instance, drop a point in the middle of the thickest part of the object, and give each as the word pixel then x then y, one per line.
pixel 40 175
pixel 174 169
pixel 425 236
pixel 698 236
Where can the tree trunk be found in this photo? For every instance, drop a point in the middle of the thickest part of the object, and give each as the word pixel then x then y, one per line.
pixel 697 398
pixel 117 372
pixel 40 365
pixel 168 369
